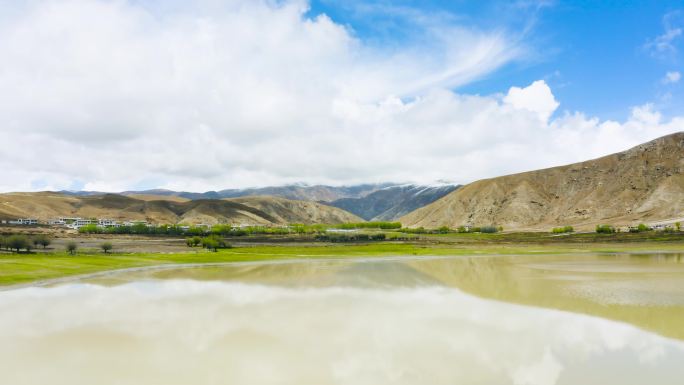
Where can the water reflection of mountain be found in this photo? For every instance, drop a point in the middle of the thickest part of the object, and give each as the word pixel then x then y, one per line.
pixel 646 290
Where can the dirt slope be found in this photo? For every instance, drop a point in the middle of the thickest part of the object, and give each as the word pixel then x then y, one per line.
pixel 643 184
pixel 261 211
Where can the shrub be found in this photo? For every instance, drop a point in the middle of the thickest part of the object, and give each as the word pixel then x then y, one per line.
pixel 605 229
pixel 106 247
pixel 71 247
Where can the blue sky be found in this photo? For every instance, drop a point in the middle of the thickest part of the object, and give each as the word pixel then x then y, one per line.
pixel 595 55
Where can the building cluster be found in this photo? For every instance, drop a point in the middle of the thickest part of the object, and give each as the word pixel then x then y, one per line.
pixel 74 222
pixel 25 222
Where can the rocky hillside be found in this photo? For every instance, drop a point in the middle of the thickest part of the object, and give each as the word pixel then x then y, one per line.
pixel 256 211
pixel 643 184
pixel 392 202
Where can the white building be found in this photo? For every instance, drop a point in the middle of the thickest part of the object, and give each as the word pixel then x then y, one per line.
pixel 107 223
pixel 24 221
pixel 77 223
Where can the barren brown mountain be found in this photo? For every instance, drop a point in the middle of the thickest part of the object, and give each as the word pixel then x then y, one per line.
pixel 297 211
pixel 249 210
pixel 643 184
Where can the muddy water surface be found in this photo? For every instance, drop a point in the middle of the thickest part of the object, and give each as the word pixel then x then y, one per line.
pixel 600 319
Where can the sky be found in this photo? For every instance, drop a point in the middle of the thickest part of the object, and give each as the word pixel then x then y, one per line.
pixel 114 95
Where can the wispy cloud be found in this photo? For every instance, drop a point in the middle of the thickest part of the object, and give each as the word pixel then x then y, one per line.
pixel 666 44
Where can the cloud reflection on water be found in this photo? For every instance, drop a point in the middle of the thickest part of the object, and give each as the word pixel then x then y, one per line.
pixel 184 331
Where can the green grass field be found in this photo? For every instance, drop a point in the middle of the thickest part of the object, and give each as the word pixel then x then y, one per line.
pixel 26 268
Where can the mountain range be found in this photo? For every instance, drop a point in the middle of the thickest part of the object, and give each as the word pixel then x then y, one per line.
pixel 382 201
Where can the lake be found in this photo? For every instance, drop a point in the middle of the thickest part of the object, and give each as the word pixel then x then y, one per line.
pixel 523 320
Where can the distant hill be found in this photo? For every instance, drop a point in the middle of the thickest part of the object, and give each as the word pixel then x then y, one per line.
pixel 254 211
pixel 392 202
pixel 296 211
pixel 319 193
pixel 643 184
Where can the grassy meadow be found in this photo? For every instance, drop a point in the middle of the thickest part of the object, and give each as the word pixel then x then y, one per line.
pixel 24 268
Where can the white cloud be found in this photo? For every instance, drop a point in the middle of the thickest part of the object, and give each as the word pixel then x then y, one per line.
pixel 536 98
pixel 672 77
pixel 243 93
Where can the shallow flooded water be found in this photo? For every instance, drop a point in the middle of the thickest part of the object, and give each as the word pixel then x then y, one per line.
pixel 389 321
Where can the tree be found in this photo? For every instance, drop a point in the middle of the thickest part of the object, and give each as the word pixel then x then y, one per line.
pixel 17 242
pixel 678 226
pixel 196 241
pixel 106 247
pixel 210 243
pixel 71 247
pixel 42 240
pixel 3 242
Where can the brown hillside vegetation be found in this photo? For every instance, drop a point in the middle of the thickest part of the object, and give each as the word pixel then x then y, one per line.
pixel 49 205
pixel 643 184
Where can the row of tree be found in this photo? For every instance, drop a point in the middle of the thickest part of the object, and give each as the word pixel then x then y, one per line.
pixel 227 230
pixel 460 230
pixel 22 242
pixel 19 242
pixel 350 237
